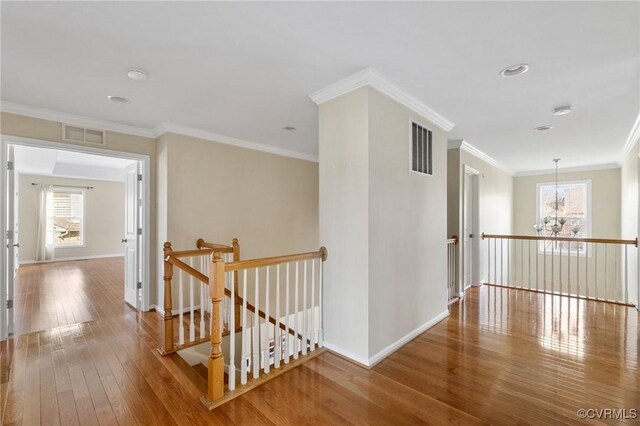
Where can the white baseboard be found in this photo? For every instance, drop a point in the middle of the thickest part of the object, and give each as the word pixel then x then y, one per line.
pixel 345 353
pixel 65 259
pixel 481 283
pixel 389 349
pixel 406 339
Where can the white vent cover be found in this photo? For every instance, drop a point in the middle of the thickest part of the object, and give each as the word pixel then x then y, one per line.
pixel 81 134
pixel 421 150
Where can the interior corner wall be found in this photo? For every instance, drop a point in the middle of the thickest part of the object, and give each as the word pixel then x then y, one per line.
pixel 629 206
pixel 103 220
pixel 47 130
pixel 495 204
pixel 407 227
pixel 344 222
pixel 453 192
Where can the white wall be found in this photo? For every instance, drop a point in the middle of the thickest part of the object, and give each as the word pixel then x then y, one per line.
pixel 384 226
pixel 344 220
pixel 629 187
pixel 103 221
pixel 495 202
pixel 407 226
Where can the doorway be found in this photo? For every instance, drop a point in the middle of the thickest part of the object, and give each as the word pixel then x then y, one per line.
pixel 470 237
pixel 73 228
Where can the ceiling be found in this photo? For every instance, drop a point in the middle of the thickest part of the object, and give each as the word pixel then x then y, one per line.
pixel 53 162
pixel 245 70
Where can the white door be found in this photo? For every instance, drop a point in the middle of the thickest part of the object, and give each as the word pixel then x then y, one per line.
pixel 132 237
pixel 468 230
pixel 12 235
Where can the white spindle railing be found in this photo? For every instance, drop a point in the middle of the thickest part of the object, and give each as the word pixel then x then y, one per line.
pixel 452 283
pixel 262 334
pixel 588 268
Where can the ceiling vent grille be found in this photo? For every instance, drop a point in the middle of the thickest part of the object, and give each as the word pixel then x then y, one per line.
pixel 81 134
pixel 421 150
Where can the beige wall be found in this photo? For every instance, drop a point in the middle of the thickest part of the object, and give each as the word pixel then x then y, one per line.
pixel 35 128
pixel 605 220
pixel 495 202
pixel 629 187
pixel 103 220
pixel 344 220
pixel 219 192
pixel 385 227
pixel 407 226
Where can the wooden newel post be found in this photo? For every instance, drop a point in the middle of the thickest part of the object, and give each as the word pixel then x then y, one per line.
pixel 238 302
pixel 216 360
pixel 168 317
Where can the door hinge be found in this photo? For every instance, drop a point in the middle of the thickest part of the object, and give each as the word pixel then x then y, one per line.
pixel 10 304
pixel 139 285
pixel 139 178
pixel 9 165
pixel 9 235
pixel 139 231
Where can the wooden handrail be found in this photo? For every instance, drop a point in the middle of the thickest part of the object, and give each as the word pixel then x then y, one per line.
pixel 190 253
pixel 571 239
pixel 200 276
pixel 268 261
pixel 221 248
pixel 453 240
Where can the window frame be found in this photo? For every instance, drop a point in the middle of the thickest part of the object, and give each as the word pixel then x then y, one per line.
pixel 587 231
pixel 83 193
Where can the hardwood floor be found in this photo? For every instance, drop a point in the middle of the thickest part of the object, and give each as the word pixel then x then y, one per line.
pixel 502 357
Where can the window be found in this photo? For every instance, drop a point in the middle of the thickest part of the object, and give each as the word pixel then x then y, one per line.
pixel 574 205
pixel 422 150
pixel 67 217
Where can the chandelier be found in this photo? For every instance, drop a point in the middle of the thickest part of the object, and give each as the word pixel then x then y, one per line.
pixel 553 226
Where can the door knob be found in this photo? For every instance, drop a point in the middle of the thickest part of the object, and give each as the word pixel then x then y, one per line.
pixel 124 240
pixel 17 245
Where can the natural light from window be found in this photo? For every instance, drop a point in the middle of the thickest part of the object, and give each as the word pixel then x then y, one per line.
pixel 574 205
pixel 65 227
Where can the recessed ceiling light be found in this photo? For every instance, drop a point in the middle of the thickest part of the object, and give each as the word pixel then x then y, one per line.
pixel 289 128
pixel 543 128
pixel 513 70
pixel 137 74
pixel 119 99
pixel 562 110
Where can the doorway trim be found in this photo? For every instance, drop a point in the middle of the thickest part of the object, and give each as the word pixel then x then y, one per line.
pixel 6 140
pixel 475 246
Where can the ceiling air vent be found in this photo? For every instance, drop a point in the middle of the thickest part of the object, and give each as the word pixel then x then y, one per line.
pixel 80 134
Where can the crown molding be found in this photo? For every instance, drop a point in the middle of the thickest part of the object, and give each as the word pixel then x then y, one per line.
pixel 163 128
pixel 370 77
pixel 466 146
pixel 593 167
pixel 632 139
pixel 74 120
pixel 94 123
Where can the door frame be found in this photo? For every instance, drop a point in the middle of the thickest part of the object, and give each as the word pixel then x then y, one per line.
pixel 475 241
pixel 145 161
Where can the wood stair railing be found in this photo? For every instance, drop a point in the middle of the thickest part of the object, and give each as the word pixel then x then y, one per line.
pixel 220 279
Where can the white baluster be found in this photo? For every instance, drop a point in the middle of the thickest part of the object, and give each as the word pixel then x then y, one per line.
pixel 256 329
pixel 287 349
pixel 267 326
pixel 180 309
pixel 320 318
pixel 304 312
pixel 295 321
pixel 313 306
pixel 277 333
pixel 586 268
pixel 245 344
pixel 626 273
pixel 615 268
pixel 232 340
pixel 192 323
pixel 606 269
